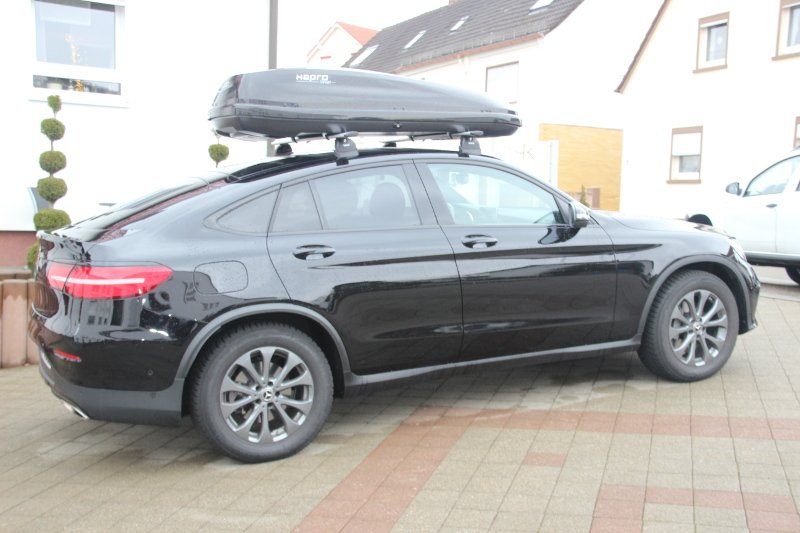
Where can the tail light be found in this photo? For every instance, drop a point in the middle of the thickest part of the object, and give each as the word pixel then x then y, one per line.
pixel 106 282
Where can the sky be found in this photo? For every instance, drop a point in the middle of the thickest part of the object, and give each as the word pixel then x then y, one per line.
pixel 298 32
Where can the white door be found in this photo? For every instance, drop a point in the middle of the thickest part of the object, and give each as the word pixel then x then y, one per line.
pixel 788 213
pixel 754 217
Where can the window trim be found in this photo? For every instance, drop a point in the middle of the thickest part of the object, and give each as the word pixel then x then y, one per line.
pixel 683 131
pixel 56 70
pixel 782 50
pixel 703 25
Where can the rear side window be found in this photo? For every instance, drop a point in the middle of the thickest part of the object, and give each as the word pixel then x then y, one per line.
pixel 248 217
pixel 373 198
pixel 296 210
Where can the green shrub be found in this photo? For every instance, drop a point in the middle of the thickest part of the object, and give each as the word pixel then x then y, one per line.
pixel 54 101
pixel 49 219
pixel 218 152
pixel 33 251
pixel 51 188
pixel 53 128
pixel 52 161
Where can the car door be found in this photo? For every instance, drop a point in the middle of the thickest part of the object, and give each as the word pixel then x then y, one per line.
pixel 753 219
pixel 529 282
pixel 361 247
pixel 787 235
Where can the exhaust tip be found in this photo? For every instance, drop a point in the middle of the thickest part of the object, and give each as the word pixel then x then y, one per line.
pixel 76 410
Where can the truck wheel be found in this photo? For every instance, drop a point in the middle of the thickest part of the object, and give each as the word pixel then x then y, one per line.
pixel 262 392
pixel 691 329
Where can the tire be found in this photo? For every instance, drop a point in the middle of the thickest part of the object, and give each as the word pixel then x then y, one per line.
pixel 682 344
pixel 794 273
pixel 234 392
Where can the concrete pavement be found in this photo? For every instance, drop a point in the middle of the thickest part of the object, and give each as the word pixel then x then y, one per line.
pixel 593 445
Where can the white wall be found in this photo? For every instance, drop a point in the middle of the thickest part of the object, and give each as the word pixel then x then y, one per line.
pixel 747 110
pixel 174 57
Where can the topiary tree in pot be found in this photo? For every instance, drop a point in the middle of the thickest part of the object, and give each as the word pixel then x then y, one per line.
pixel 218 152
pixel 50 187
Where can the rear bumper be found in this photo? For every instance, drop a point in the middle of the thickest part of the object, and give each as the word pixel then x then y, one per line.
pixel 130 407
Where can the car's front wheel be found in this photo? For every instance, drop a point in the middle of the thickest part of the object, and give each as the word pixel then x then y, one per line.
pixel 262 392
pixel 794 273
pixel 691 329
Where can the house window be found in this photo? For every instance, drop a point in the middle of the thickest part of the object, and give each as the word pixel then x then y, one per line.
pixel 460 22
pixel 502 82
pixel 363 55
pixel 687 145
pixel 77 46
pixel 789 28
pixel 797 132
pixel 712 42
pixel 416 38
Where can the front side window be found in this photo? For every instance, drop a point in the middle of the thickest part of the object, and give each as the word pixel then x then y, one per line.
pixel 366 199
pixel 712 42
pixel 774 179
pixel 77 46
pixel 687 145
pixel 789 28
pixel 480 196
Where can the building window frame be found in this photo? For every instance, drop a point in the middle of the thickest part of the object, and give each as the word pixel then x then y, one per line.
pixel 788 37
pixel 510 94
pixel 707 29
pixel 796 140
pixel 74 82
pixel 685 164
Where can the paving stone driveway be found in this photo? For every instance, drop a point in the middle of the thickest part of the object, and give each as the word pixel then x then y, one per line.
pixel 593 445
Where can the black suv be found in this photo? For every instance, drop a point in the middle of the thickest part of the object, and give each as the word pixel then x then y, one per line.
pixel 251 298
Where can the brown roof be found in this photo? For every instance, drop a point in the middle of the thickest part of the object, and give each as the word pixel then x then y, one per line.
pixel 362 35
pixel 642 46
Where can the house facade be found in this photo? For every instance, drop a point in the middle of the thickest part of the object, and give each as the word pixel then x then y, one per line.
pixel 136 80
pixel 549 60
pixel 712 98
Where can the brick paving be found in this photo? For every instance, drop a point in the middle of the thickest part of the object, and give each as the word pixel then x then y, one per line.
pixel 593 445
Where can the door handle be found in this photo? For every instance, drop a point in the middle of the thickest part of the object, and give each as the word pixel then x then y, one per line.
pixel 772 206
pixel 478 242
pixel 312 252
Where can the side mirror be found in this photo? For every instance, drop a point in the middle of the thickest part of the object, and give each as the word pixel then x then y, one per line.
pixel 578 217
pixel 733 188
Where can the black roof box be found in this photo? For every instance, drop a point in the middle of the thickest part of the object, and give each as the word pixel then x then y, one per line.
pixel 306 103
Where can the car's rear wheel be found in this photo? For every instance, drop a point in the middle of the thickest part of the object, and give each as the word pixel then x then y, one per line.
pixel 262 392
pixel 794 273
pixel 691 329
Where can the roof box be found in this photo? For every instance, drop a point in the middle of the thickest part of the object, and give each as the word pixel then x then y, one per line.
pixel 307 103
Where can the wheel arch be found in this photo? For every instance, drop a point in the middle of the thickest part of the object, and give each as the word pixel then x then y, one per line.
pixel 713 265
pixel 305 320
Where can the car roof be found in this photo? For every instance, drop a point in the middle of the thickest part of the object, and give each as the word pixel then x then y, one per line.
pixel 280 165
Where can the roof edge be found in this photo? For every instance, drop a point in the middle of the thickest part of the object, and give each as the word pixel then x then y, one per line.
pixel 650 31
pixel 471 52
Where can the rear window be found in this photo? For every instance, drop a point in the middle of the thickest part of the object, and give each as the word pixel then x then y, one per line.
pixel 153 202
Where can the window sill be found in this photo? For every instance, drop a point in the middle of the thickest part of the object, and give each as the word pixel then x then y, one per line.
pixel 710 68
pixel 786 55
pixel 73 97
pixel 683 182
